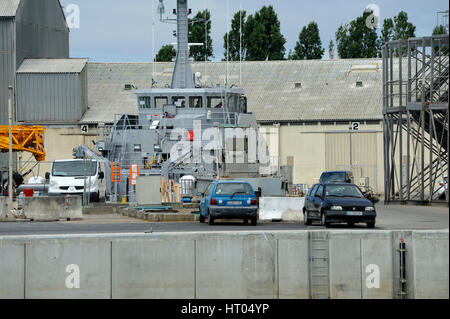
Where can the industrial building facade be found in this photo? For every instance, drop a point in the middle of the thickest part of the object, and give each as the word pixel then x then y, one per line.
pixel 48 87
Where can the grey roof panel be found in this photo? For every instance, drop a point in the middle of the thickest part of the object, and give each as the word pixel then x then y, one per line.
pixel 52 66
pixel 328 88
pixel 8 8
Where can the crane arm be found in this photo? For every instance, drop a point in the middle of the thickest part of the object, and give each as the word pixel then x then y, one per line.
pixel 24 139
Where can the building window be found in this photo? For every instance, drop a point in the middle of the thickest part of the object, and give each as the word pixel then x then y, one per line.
pixel 215 102
pixel 160 101
pixel 195 102
pixel 144 102
pixel 179 101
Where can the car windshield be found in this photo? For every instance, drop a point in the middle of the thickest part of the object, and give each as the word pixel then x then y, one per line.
pixel 333 177
pixel 234 189
pixel 74 169
pixel 343 191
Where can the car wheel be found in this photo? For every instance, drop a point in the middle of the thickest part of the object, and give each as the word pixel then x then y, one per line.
pixel 371 225
pixel 245 221
pixel 324 220
pixel 210 219
pixel 306 219
pixel 254 221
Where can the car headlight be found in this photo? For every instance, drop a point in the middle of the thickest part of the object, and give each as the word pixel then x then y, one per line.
pixel 54 185
pixel 336 207
pixel 370 209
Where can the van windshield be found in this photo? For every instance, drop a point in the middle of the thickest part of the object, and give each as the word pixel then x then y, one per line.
pixel 74 169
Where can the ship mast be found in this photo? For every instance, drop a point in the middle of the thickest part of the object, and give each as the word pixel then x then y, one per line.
pixel 182 77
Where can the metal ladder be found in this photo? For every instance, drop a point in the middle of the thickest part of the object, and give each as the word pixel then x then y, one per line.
pixel 319 265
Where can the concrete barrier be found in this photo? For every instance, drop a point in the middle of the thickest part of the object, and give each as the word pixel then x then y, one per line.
pixel 281 208
pixel 431 259
pixel 75 268
pixel 3 206
pixel 12 270
pixel 53 208
pixel 160 268
pixel 236 267
pixel 360 252
pixel 221 265
pixel 293 265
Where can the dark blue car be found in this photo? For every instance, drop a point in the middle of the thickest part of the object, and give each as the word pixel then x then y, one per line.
pixel 229 200
pixel 338 203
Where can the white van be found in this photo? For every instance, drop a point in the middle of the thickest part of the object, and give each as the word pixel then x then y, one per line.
pixel 68 178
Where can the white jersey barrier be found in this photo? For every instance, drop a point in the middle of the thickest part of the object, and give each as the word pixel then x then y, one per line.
pixel 281 208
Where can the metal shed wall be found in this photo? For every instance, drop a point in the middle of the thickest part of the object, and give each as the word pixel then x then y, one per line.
pixel 41 30
pixel 51 97
pixel 7 65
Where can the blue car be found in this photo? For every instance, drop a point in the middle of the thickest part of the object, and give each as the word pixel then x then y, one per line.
pixel 229 200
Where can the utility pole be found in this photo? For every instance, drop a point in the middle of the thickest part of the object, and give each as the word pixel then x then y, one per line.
pixel 10 180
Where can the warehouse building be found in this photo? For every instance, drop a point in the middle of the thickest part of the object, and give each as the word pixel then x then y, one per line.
pixel 316 115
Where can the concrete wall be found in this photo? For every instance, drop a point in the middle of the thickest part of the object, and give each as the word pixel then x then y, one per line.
pixel 218 265
pixel 281 208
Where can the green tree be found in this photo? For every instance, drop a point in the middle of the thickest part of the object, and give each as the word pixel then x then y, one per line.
pixel 309 45
pixel 234 38
pixel 164 54
pixel 355 40
pixel 200 32
pixel 403 29
pixel 387 33
pixel 290 55
pixel 440 29
pixel 331 49
pixel 262 36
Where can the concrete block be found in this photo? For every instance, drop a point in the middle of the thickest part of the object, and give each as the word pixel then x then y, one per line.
pixel 431 259
pixel 12 269
pixel 160 268
pixel 281 208
pixel 377 262
pixel 53 208
pixel 345 265
pixel 3 205
pixel 237 266
pixel 293 266
pixel 52 266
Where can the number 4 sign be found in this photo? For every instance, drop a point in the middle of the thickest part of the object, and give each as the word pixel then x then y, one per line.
pixel 84 129
pixel 134 174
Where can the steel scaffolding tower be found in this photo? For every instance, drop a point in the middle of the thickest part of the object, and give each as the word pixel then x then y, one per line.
pixel 416 119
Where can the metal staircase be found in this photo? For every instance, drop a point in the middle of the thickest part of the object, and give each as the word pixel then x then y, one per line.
pixel 416 115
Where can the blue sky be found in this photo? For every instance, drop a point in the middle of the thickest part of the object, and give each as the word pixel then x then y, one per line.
pixel 121 30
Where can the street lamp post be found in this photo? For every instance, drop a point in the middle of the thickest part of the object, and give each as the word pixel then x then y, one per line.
pixel 10 180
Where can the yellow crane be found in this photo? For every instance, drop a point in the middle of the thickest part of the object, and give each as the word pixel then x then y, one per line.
pixel 24 139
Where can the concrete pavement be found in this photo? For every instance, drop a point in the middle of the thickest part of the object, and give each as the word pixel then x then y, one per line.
pixel 389 218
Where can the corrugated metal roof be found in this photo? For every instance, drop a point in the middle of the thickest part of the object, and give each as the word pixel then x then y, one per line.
pixel 52 66
pixel 326 89
pixel 8 8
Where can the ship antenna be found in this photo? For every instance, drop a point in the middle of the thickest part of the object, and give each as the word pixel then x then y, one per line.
pixel 228 45
pixel 240 44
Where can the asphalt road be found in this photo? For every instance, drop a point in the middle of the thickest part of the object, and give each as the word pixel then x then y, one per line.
pixel 389 218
